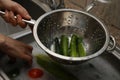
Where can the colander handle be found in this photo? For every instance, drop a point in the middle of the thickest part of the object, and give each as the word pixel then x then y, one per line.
pixel 30 22
pixel 90 6
pixel 115 49
pixel 112 44
pixel 93 3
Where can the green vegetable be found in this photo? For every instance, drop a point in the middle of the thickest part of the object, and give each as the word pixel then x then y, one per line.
pixel 80 48
pixel 64 45
pixel 54 68
pixel 76 48
pixel 73 48
pixel 57 45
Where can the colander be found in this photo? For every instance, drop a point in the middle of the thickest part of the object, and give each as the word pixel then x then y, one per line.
pixel 67 22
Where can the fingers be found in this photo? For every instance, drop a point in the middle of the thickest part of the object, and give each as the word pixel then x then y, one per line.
pixel 17 49
pixel 22 13
pixel 12 18
pixel 6 16
pixel 12 8
pixel 20 22
pixel 9 17
pixel 27 57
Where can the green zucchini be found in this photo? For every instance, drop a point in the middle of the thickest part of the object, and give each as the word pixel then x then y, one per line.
pixel 73 48
pixel 64 45
pixel 80 47
pixel 60 72
pixel 57 45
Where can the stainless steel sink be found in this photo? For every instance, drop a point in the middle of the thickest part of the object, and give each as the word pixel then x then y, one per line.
pixel 103 67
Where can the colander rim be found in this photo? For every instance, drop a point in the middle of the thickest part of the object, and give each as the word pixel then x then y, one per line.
pixel 67 57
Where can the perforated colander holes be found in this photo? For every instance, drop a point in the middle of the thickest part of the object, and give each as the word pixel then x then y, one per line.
pixel 83 24
pixel 83 30
pixel 43 24
pixel 96 33
pixel 69 19
pixel 86 27
pixel 71 16
pixel 50 22
pixel 100 34
pixel 55 25
pixel 92 37
pixel 98 43
pixel 58 26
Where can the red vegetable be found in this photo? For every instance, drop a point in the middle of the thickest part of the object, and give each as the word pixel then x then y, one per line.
pixel 35 73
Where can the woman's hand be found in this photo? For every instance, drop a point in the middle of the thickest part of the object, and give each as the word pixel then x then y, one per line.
pixel 14 9
pixel 15 49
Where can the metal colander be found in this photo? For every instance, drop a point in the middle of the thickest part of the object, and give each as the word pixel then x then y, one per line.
pixel 68 21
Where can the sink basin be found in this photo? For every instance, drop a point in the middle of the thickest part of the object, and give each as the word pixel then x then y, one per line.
pixel 103 67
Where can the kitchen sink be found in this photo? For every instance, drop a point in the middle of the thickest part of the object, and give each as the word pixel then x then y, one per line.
pixel 103 67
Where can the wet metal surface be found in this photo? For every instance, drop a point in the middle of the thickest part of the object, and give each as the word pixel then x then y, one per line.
pixel 104 67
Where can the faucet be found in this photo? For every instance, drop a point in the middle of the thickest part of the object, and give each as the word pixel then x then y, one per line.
pixel 56 4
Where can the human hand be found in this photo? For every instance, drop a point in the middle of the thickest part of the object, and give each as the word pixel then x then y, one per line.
pixel 15 48
pixel 14 9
